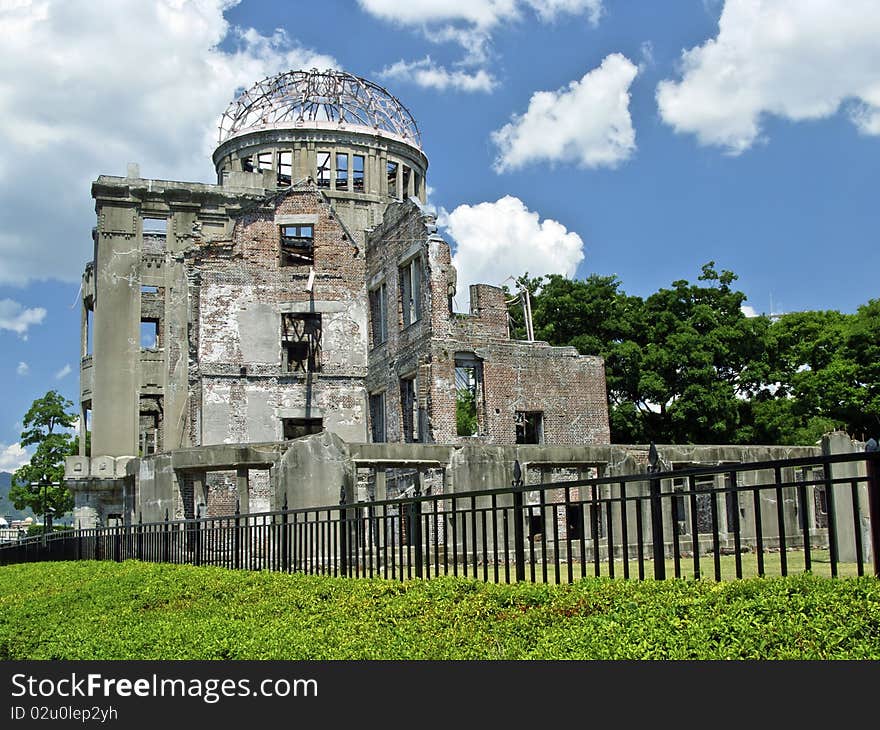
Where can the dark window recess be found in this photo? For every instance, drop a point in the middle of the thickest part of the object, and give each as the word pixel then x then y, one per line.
pixel 297 245
pixel 468 394
pixel 149 334
pixel 301 342
pixel 574 520
pixel 294 428
pixel 377 417
pixel 149 432
pixel 357 173
pixel 820 507
pixel 409 405
pixel 247 164
pixel 378 307
pixel 391 172
pixel 529 427
pixel 406 175
pixel 341 171
pixel 411 291
pixel 323 171
pixel 264 161
pixel 285 168
pixel 536 526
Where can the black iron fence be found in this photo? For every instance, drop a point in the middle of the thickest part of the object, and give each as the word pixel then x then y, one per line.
pixel 816 514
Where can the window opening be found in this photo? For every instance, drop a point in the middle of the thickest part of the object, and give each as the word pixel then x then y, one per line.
pixel 341 171
pixel 377 417
pixel 468 394
pixel 146 289
pixel 357 173
pixel 155 226
pixel 391 170
pixel 264 161
pixel 247 164
pixel 406 174
pixel 301 342
pixel 285 168
pixel 410 291
pixel 378 326
pixel 574 520
pixel 529 427
pixel 323 170
pixel 409 409
pixel 294 428
pixel 149 334
pixel 297 245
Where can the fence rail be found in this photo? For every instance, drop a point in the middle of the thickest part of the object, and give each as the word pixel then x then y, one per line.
pixel 815 514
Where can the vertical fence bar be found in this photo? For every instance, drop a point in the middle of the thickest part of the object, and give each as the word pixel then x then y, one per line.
pixel 676 550
pixel 343 535
pixel 542 501
pixel 873 472
pixel 568 512
pixel 609 517
pixel 285 538
pixel 737 538
pixel 832 518
pixel 780 520
pixel 474 539
pixel 805 524
pixel 695 524
pixel 555 508
pixel 759 529
pixel 640 537
pixel 716 537
pixel 857 526
pixel 657 539
pixel 494 537
pixel 417 518
pixel 518 532
pixel 166 536
pixel 624 531
pixel 454 517
pixel 594 527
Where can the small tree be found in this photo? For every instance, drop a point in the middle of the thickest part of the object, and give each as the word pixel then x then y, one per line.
pixel 39 483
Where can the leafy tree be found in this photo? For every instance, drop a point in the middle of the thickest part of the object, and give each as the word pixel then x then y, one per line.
pixel 465 412
pixel 39 484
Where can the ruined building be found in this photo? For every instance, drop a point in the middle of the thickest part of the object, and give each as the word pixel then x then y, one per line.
pixel 306 291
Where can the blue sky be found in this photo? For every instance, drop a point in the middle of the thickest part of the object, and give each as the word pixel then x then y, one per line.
pixel 640 139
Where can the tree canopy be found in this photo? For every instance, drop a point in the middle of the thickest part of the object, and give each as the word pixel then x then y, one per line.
pixel 686 365
pixel 39 484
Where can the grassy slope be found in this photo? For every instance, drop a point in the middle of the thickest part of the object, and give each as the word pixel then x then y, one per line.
pixel 143 611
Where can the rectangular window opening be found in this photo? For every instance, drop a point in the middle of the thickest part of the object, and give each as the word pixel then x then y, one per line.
pixel 297 245
pixel 378 325
pixel 247 164
pixel 410 291
pixel 301 342
pixel 357 173
pixel 377 417
pixel 409 404
pixel 323 171
pixel 341 171
pixel 149 432
pixel 149 334
pixel 285 168
pixel 468 395
pixel 391 172
pixel 574 520
pixel 529 427
pixel 294 428
pixel 406 175
pixel 264 161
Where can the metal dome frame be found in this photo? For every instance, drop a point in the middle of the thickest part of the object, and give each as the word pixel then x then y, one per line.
pixel 319 99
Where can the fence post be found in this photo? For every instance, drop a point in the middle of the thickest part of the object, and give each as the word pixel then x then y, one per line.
pixel 416 515
pixel 99 538
pixel 874 501
pixel 343 535
pixel 285 543
pixel 140 536
pixel 657 539
pixel 519 549
pixel 197 560
pixel 236 536
pixel 166 535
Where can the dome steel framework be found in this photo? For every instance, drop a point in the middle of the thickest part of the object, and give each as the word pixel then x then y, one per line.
pixel 319 99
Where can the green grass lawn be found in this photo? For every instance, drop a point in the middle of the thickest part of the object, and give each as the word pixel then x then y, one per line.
pixel 105 610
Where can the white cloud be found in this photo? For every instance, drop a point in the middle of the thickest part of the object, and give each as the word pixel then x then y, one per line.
pixel 504 238
pixel 12 457
pixel 23 368
pixel 748 310
pixel 64 372
pixel 588 122
pixel 89 87
pixel 479 13
pixel 791 58
pixel 429 75
pixel 14 316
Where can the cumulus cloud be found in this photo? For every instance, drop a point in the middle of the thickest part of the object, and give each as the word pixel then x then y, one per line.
pixel 748 310
pixel 588 122
pixel 23 368
pixel 91 86
pixel 16 318
pixel 12 457
pixel 429 75
pixel 505 238
pixel 469 24
pixel 64 372
pixel 789 58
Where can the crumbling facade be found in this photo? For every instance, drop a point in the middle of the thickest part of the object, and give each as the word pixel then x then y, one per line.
pixel 307 290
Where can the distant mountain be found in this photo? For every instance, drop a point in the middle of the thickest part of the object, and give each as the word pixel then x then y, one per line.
pixel 7 510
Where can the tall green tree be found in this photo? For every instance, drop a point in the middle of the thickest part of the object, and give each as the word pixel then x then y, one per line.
pixel 39 484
